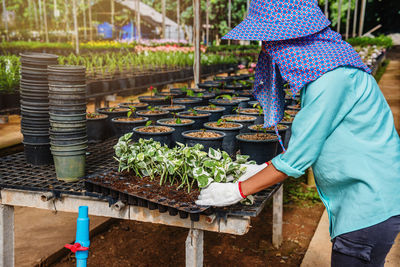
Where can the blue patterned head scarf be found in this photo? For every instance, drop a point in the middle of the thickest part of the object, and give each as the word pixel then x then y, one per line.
pixel 298 61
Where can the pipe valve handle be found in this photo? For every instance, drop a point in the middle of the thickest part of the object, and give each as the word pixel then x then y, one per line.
pixel 75 247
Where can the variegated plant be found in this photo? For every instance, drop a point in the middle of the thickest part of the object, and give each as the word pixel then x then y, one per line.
pixel 182 165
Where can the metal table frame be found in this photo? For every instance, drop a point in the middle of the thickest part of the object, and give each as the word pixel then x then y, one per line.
pixel 237 225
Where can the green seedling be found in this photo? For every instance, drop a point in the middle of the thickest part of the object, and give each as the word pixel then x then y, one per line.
pixel 131 111
pixel 111 109
pixel 226 97
pixel 148 123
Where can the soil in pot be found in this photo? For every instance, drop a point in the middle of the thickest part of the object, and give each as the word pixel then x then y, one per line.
pixel 199 117
pixel 228 104
pixel 292 112
pixel 216 112
pixel 154 100
pixel 252 112
pixel 261 147
pixel 231 129
pixel 172 108
pixel 282 129
pixel 294 107
pixel 162 134
pixel 125 125
pixel 208 138
pixel 137 105
pixel 245 120
pixel 153 114
pixel 180 126
pixel 188 102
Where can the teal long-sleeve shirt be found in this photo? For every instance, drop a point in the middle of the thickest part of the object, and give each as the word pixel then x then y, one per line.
pixel 345 131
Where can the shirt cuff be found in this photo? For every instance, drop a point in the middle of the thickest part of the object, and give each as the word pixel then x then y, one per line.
pixel 282 166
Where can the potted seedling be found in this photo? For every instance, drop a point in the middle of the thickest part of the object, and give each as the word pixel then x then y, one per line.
pixel 136 105
pixel 261 147
pixel 225 101
pixel 231 129
pixel 112 112
pixel 96 127
pixel 255 111
pixel 189 102
pixel 216 112
pixel 207 138
pixel 153 113
pixel 125 124
pixel 180 125
pixel 243 101
pixel 159 133
pixel 199 117
pixel 282 129
pixel 287 120
pixel 245 120
pixel 171 107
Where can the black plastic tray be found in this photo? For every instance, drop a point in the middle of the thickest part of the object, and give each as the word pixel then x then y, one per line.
pixel 95 184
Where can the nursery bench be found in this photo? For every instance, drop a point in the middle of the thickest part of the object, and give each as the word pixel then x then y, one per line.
pixel 36 187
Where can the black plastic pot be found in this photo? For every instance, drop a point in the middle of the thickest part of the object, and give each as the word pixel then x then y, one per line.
pixel 124 127
pixel 79 90
pixel 234 86
pixel 259 118
pixel 110 129
pixel 288 132
pixel 259 150
pixel 208 85
pixel 228 105
pixel 137 105
pixel 188 102
pixel 215 114
pixel 58 141
pixel 153 117
pixel 67 109
pixel 163 138
pixel 179 129
pixel 215 142
pixel 172 109
pixel 243 101
pixel 229 143
pixel 61 102
pixel 35 138
pixel 94 87
pixel 178 91
pixel 66 135
pixel 67 117
pixel 282 133
pixel 96 129
pixel 205 98
pixel 154 100
pixel 200 119
pixel 38 154
pixel 245 122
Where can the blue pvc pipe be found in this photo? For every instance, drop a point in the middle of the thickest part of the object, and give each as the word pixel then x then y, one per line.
pixel 82 236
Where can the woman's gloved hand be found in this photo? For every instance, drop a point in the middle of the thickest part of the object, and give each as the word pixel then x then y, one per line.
pixel 220 194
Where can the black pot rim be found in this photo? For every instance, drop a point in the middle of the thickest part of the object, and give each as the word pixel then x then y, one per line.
pixel 268 131
pixel 164 112
pixel 215 102
pixel 100 110
pixel 35 144
pixel 127 104
pixel 115 120
pixel 181 115
pixel 136 130
pixel 166 106
pixel 161 122
pixel 221 109
pixel 250 113
pixel 238 137
pixel 223 129
pixel 192 100
pixel 184 134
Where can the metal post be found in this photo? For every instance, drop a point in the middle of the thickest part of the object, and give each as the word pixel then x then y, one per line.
pixel 362 15
pixel 178 13
pixel 348 20
pixel 36 15
pixel 66 6
pixel 90 21
pixel 5 17
pixel 207 22
pixel 355 19
pixel 326 9
pixel 84 19
pixel 7 235
pixel 277 212
pixel 229 17
pixel 75 27
pixel 138 32
pixel 196 29
pixel 45 21
pixel 194 248
pixel 339 17
pixel 163 18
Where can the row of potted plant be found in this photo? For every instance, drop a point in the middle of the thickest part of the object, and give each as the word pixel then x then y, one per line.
pixel 9 81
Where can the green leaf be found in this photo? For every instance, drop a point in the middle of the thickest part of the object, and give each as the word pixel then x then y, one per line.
pixel 214 154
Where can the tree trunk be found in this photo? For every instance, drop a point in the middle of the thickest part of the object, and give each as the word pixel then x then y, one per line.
pixel 178 19
pixel 46 31
pixel 196 39
pixel 75 27
pixel 90 21
pixel 84 19
pixel 348 20
pixel 66 17
pixel 339 19
pixel 5 18
pixel 207 22
pixel 163 35
pixel 112 16
pixel 355 19
pixel 362 15
pixel 138 30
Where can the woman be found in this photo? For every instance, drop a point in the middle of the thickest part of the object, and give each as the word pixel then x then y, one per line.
pixel 344 130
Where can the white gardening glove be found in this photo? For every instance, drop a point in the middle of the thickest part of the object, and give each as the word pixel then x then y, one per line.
pixel 219 195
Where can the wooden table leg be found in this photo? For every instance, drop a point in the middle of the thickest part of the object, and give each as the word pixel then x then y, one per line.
pixel 194 248
pixel 277 212
pixel 7 235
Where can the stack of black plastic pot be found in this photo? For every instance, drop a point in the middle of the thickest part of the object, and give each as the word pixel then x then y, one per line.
pixel 35 107
pixel 67 97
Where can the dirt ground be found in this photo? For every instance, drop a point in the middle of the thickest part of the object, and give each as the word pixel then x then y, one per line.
pixel 129 243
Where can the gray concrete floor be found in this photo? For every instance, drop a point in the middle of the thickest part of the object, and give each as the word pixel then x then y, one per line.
pixel 319 250
pixel 41 233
